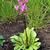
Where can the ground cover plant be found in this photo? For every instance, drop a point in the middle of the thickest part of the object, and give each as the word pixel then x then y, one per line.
pixel 26 40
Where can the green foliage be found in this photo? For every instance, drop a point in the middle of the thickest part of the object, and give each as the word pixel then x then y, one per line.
pixel 26 40
pixel 1 40
pixel 38 11
pixel 7 11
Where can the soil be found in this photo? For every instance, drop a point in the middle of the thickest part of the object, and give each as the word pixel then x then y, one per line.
pixel 44 35
pixel 11 28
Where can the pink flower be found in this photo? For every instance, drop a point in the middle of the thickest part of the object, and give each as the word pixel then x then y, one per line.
pixel 26 1
pixel 20 2
pixel 23 8
pixel 16 7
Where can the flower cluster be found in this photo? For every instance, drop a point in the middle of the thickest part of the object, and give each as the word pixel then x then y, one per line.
pixel 21 6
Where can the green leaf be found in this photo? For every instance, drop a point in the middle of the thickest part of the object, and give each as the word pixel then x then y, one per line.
pixel 1 40
pixel 26 39
pixel 17 47
pixel 36 45
pixel 36 39
pixel 23 37
pixel 33 34
pixel 30 48
pixel 14 38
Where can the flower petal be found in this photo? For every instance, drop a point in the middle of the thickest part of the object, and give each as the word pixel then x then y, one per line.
pixel 23 8
pixel 20 2
pixel 26 1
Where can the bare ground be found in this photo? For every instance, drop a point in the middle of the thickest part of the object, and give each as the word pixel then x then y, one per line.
pixel 9 29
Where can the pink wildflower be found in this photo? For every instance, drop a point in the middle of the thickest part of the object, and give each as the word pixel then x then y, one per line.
pixel 20 2
pixel 26 1
pixel 23 8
